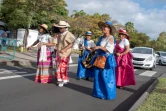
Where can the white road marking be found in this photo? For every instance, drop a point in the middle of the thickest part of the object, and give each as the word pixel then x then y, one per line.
pixel 20 72
pixel 73 65
pixel 135 69
pixel 13 70
pixel 6 71
pixel 148 73
pixel 16 76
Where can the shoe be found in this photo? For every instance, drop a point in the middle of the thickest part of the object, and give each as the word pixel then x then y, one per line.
pixel 59 80
pixel 118 87
pixel 78 78
pixel 121 87
pixel 60 84
pixel 65 81
pixel 87 78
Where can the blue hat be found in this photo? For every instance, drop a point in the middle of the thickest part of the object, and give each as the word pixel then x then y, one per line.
pixel 109 23
pixel 88 33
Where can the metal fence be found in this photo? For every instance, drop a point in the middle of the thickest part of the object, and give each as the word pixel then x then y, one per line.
pixel 8 48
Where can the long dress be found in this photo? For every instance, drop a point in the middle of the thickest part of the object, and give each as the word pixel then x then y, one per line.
pixel 83 72
pixel 124 69
pixel 44 68
pixel 104 79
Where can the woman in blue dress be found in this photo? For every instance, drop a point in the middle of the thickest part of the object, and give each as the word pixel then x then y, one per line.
pixel 85 47
pixel 104 79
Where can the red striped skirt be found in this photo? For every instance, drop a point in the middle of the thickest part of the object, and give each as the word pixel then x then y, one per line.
pixel 44 69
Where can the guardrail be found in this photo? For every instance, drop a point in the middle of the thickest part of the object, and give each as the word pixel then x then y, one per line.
pixel 8 48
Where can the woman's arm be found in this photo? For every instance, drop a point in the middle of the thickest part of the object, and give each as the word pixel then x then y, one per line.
pixel 111 41
pixel 35 43
pixel 49 44
pixel 127 49
pixel 80 47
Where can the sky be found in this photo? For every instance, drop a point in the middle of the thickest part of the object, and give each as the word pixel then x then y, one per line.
pixel 148 16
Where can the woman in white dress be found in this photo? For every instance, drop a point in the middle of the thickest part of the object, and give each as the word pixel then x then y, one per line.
pixel 44 58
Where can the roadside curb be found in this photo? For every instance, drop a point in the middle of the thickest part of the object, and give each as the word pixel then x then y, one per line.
pixel 18 63
pixel 138 103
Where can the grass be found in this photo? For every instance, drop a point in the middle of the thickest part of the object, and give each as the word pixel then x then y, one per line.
pixel 157 99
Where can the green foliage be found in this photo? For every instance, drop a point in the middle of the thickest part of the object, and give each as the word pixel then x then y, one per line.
pixel 82 22
pixel 30 13
pixel 25 13
pixel 130 27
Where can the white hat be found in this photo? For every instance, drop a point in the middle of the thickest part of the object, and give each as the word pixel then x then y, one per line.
pixel 62 24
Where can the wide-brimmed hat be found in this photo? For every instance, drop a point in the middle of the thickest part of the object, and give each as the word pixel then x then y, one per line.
pixel 62 24
pixel 110 24
pixel 124 32
pixel 88 33
pixel 67 24
pixel 44 26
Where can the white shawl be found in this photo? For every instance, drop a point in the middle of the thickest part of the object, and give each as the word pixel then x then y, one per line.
pixel 43 51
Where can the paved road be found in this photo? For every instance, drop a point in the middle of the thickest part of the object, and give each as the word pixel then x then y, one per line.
pixel 18 92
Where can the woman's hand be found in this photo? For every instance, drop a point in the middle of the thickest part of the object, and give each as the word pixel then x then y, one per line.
pixel 39 45
pixel 43 43
pixel 88 49
pixel 119 54
pixel 29 48
pixel 97 47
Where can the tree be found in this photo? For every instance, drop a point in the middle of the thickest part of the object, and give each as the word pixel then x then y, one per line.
pixel 29 13
pixel 77 14
pixel 82 22
pixel 25 13
pixel 162 37
pixel 130 27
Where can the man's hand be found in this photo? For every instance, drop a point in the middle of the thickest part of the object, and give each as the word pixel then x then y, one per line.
pixel 62 51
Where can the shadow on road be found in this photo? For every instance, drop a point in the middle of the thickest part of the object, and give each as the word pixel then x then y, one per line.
pixel 125 105
pixel 81 89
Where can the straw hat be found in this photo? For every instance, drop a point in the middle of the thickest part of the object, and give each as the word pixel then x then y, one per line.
pixel 67 24
pixel 110 24
pixel 44 26
pixel 62 24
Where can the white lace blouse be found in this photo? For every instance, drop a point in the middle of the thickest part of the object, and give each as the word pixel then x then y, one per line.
pixel 124 43
pixel 107 44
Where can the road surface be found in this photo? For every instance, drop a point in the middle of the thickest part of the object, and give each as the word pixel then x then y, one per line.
pixel 19 92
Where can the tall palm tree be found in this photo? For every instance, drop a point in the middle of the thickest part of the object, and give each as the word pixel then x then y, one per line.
pixel 130 27
pixel 78 13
